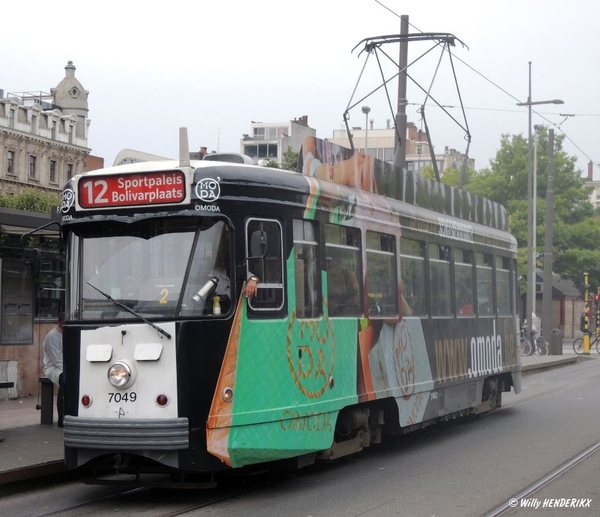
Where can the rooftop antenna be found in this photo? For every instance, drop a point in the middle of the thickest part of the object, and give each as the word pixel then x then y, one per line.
pixel 184 148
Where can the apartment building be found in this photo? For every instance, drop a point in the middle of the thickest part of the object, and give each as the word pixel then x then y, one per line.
pixel 268 141
pixel 380 144
pixel 595 193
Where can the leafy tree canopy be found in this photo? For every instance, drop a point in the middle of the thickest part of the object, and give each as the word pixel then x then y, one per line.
pixel 31 199
pixel 575 221
pixel 290 160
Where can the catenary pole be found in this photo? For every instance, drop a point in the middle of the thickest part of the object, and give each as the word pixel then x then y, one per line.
pixel 400 147
pixel 548 242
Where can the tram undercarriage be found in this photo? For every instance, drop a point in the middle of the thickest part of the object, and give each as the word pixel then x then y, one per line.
pixel 357 427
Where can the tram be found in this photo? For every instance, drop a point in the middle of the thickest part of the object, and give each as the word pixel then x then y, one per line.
pixel 384 302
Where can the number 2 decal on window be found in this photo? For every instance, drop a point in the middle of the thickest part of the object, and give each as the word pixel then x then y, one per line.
pixel 164 295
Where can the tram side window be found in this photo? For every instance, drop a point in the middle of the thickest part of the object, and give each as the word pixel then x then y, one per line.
pixel 306 272
pixel 463 279
pixel 439 278
pixel 503 285
pixel 513 286
pixel 265 260
pixel 381 274
pixel 485 291
pixel 342 262
pixel 412 263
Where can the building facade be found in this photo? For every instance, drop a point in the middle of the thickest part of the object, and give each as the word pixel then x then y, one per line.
pixel 595 193
pixel 43 142
pixel 380 144
pixel 43 136
pixel 268 141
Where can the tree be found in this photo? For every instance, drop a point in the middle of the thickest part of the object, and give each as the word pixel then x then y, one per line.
pixel 576 223
pixel 290 160
pixel 31 199
pixel 450 176
pixel 272 164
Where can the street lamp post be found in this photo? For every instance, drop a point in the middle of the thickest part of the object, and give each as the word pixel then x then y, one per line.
pixel 366 110
pixel 530 305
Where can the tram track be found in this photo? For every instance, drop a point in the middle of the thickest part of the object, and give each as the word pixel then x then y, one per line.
pixel 97 505
pixel 141 498
pixel 85 504
pixel 512 502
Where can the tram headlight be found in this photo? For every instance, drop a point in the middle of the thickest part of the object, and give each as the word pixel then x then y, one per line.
pixel 227 394
pixel 121 374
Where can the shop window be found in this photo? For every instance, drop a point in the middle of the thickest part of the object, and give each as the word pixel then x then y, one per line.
pixel 16 287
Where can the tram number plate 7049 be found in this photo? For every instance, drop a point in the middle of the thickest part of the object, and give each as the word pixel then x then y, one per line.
pixel 122 397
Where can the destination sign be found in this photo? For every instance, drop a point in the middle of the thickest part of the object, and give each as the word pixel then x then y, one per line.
pixel 151 188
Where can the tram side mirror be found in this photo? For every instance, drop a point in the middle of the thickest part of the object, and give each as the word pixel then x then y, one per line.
pixel 258 244
pixel 31 258
pixel 205 291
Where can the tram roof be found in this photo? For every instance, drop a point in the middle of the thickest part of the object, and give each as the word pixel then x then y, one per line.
pixel 401 185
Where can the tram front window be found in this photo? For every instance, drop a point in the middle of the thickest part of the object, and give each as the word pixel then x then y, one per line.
pixel 154 267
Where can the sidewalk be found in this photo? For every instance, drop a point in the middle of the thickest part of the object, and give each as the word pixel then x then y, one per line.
pixel 30 449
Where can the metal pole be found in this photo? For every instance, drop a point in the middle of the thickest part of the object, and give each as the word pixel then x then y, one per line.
pixel 530 265
pixel 586 325
pixel 531 270
pixel 366 110
pixel 400 147
pixel 548 238
pixel 366 133
pixel 534 215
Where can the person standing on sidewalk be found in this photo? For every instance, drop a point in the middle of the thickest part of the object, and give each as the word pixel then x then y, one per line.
pixel 536 327
pixel 53 363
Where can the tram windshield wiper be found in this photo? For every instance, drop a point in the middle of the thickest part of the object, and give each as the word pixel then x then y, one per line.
pixel 122 305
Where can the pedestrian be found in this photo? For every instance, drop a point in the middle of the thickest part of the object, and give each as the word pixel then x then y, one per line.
pixel 53 363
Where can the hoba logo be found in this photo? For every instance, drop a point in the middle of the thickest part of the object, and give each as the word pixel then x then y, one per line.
pixel 208 189
pixel 68 198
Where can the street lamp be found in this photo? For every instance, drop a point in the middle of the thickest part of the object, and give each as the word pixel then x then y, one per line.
pixel 366 110
pixel 530 305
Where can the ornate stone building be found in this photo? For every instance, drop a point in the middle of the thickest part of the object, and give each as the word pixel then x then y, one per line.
pixel 44 136
pixel 43 142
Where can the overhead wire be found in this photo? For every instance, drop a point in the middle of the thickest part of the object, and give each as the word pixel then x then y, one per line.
pixel 557 126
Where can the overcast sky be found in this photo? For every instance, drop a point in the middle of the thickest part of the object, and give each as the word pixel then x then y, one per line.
pixel 151 67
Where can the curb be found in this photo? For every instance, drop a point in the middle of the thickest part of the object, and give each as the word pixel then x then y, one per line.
pixel 549 365
pixel 33 471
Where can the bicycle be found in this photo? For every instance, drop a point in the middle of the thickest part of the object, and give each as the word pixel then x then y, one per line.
pixel 525 343
pixel 578 345
pixel 540 345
